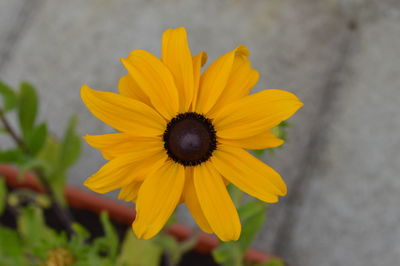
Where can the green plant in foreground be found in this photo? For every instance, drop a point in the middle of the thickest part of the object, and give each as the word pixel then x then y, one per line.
pixel 35 148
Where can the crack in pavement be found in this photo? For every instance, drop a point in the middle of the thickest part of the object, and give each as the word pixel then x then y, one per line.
pixel 25 15
pixel 331 91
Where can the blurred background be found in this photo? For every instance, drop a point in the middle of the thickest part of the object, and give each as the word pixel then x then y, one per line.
pixel 341 57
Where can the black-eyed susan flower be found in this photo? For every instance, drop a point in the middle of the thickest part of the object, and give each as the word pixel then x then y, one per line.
pixel 182 136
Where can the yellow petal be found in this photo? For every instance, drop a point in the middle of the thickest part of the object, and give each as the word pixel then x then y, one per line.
pixel 123 170
pixel 198 61
pixel 177 57
pixel 117 144
pixel 255 114
pixel 192 202
pixel 248 173
pixel 261 141
pixel 241 80
pixel 158 198
pixel 154 78
pixel 214 80
pixel 129 88
pixel 216 203
pixel 123 113
pixel 130 192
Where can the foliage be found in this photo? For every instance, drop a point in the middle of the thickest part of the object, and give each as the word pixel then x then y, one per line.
pixel 35 148
pixel 35 243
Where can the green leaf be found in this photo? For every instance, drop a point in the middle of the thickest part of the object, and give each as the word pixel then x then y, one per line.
pixel 252 215
pixel 280 131
pixel 50 154
pixel 170 247
pixel 60 157
pixel 27 108
pixel 110 235
pixel 3 195
pixel 272 262
pixel 70 147
pixel 9 97
pixel 139 252
pixel 81 232
pixel 11 248
pixel 14 156
pixel 236 194
pixel 31 164
pixel 259 153
pixel 36 138
pixel 228 254
pixel 30 223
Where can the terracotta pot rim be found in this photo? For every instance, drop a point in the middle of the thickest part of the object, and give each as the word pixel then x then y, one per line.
pixel 81 199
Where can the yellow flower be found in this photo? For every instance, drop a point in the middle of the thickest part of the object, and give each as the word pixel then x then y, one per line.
pixel 182 136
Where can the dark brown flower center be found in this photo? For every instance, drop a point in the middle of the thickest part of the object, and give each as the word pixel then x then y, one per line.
pixel 190 139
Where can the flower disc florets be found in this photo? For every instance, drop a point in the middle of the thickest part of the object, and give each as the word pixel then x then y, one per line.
pixel 190 139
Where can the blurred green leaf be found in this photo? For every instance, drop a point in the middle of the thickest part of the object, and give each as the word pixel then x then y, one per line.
pixel 30 164
pixel 9 97
pixel 59 156
pixel 252 215
pixel 3 195
pixel 280 132
pixel 27 108
pixel 170 247
pixel 272 262
pixel 228 254
pixel 36 138
pixel 12 156
pixel 70 146
pixel 11 248
pixel 49 153
pixel 259 153
pixel 30 223
pixel 236 194
pixel 81 235
pixel 139 252
pixel 110 236
pixel 38 238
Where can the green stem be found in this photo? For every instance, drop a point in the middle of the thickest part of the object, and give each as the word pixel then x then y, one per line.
pixel 63 214
pixel 12 133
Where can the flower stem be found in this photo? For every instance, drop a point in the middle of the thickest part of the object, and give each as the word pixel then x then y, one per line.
pixel 12 133
pixel 63 213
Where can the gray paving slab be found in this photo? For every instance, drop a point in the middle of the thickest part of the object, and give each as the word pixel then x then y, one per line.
pixel 350 213
pixel 295 45
pixel 9 10
pixel 14 18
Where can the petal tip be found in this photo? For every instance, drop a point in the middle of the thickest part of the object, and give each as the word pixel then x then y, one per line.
pixel 204 58
pixel 89 184
pixel 233 236
pixel 141 231
pixel 84 90
pixel 242 50
pixel 282 194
